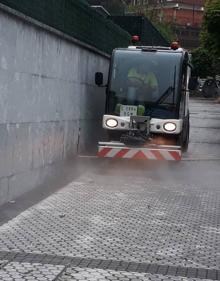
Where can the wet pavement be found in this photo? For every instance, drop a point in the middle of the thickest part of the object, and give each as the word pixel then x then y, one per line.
pixel 123 220
pixel 205 130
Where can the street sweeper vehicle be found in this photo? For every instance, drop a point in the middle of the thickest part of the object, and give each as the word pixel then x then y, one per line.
pixel 147 103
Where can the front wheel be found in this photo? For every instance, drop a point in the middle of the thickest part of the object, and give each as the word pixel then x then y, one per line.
pixel 185 143
pixel 184 136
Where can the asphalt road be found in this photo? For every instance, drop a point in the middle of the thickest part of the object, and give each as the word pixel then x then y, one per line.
pixel 121 220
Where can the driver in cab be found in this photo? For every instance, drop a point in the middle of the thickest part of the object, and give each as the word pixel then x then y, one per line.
pixel 142 83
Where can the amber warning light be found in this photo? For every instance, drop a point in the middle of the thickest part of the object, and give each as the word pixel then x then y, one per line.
pixel 135 39
pixel 174 45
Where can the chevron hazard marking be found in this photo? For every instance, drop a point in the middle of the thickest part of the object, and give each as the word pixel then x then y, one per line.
pixel 139 153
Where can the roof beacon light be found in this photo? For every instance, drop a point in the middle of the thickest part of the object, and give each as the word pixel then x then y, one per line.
pixel 174 45
pixel 135 39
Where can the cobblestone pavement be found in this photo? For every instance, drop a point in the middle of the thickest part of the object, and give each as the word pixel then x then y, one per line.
pixel 15 271
pixel 126 220
pixel 171 224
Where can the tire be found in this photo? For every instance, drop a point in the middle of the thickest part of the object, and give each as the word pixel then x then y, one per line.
pixel 184 137
pixel 185 142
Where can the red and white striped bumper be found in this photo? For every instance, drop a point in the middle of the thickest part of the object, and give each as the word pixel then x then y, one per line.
pixel 171 153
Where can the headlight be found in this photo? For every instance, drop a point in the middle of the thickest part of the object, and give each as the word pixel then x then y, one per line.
pixel 112 123
pixel 170 127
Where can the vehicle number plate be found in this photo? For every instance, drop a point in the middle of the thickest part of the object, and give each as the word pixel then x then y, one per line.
pixel 128 110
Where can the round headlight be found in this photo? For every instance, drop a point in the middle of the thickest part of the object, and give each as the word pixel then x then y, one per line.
pixel 112 123
pixel 170 127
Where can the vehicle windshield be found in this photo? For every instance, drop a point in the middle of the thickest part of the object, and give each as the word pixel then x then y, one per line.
pixel 141 78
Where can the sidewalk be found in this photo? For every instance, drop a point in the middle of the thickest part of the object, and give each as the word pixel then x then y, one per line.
pixel 103 224
pixel 125 220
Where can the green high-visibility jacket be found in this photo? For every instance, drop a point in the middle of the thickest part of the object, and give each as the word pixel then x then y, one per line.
pixel 148 79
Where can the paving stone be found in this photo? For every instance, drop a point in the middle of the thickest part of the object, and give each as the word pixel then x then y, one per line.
pixel 153 268
pixel 202 273
pixel 162 269
pixel 172 270
pixel 192 272
pixel 212 274
pixel 3 263
pixel 180 271
pixel 73 274
pixel 26 272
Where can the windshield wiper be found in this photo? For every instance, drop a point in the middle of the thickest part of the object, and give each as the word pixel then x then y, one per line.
pixel 164 95
pixel 169 90
pixel 154 105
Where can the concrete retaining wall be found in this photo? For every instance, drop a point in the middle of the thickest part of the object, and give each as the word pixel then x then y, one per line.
pixel 47 97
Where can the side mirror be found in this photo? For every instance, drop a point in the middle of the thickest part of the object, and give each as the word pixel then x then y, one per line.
pixel 193 83
pixel 99 78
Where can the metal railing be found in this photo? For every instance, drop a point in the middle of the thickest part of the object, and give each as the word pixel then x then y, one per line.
pixel 75 18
